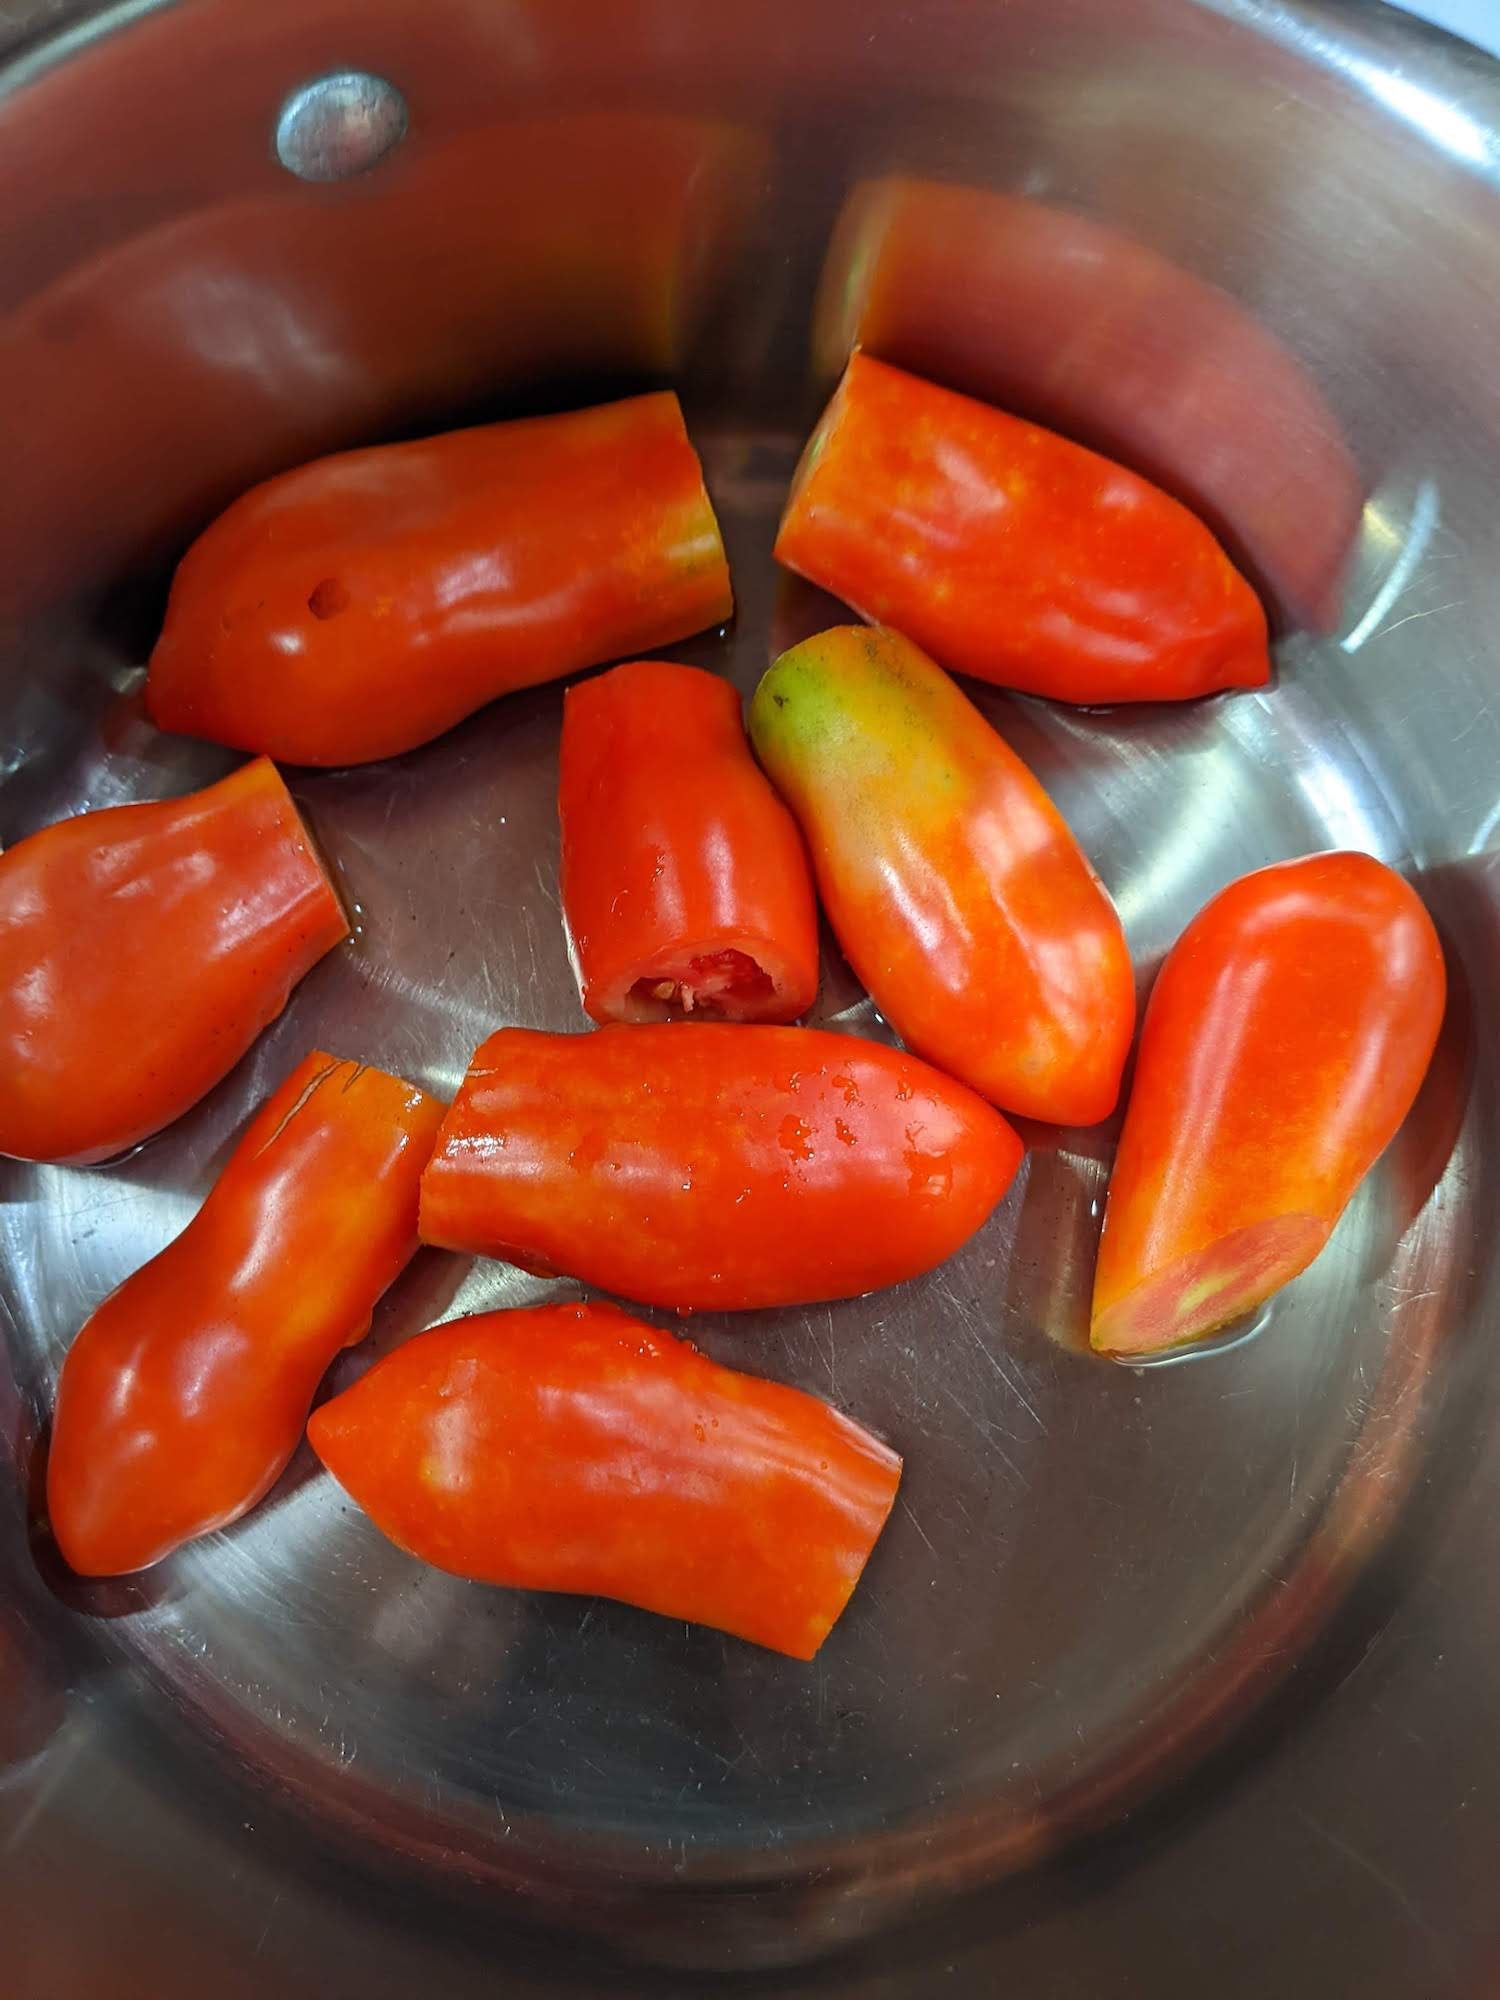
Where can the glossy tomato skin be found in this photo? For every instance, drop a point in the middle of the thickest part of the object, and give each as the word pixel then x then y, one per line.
pixel 951 880
pixel 685 884
pixel 713 1166
pixel 581 1450
pixel 1036 308
pixel 364 603
pixel 1010 553
pixel 1285 1039
pixel 184 1395
pixel 142 950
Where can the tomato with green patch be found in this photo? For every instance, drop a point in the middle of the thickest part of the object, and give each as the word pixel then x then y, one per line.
pixel 953 884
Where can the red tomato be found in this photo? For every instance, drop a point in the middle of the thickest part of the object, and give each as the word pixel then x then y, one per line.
pixel 185 1393
pixel 573 1448
pixel 684 881
pixel 1072 323
pixel 366 602
pixel 1286 1037
pixel 1009 553
pixel 956 890
pixel 713 1166
pixel 142 950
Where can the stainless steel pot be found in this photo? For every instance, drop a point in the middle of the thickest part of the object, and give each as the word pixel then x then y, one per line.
pixel 1161 1681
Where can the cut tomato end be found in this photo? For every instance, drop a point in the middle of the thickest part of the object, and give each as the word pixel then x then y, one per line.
pixel 717 982
pixel 1198 1295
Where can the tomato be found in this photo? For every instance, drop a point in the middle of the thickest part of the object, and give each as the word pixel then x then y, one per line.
pixel 684 881
pixel 570 1447
pixel 957 892
pixel 1010 553
pixel 1286 1037
pixel 142 950
pixel 1081 327
pixel 714 1165
pixel 364 603
pixel 185 1393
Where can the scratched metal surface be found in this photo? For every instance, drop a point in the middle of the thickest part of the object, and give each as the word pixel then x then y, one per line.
pixel 313 1763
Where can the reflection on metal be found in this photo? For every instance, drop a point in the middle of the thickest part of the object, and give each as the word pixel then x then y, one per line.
pixel 1445 124
pixel 1433 110
pixel 1425 515
pixel 340 125
pixel 306 1762
pixel 1336 800
pixel 1486 838
pixel 224 343
pixel 73 38
pixel 1228 1342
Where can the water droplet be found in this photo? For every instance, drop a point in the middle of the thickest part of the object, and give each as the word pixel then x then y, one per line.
pixel 794 1137
pixel 1239 1333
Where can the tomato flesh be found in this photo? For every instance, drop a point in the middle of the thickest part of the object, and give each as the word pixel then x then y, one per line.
pixel 685 885
pixel 1202 1294
pixel 713 982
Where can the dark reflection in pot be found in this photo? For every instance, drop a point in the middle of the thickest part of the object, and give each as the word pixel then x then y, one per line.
pixel 1080 327
pixel 34 1679
pixel 151 384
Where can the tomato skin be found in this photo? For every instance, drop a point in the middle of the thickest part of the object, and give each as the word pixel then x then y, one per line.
pixel 713 1166
pixel 1285 1039
pixel 676 849
pixel 364 603
pixel 1083 329
pixel 951 880
pixel 1009 553
pixel 573 1448
pixel 185 1393
pixel 142 950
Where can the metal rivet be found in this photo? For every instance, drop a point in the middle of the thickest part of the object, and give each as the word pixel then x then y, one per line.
pixel 339 125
